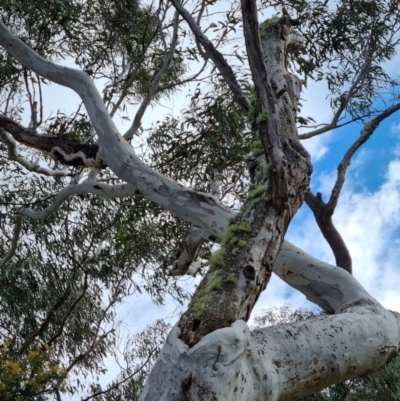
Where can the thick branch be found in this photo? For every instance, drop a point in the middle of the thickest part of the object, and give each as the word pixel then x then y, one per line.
pixel 323 212
pixel 283 362
pixel 242 268
pixel 269 129
pixel 13 154
pixel 328 286
pixel 195 207
pixel 323 217
pixel 65 151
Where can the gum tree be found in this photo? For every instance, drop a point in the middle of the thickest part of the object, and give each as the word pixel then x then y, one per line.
pixel 67 261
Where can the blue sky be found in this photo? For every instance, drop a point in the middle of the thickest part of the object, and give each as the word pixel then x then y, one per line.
pixel 368 212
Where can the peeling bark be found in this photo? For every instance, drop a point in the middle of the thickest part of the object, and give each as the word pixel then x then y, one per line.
pixel 65 151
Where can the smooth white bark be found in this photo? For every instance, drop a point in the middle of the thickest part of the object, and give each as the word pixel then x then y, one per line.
pixel 283 362
pixel 87 187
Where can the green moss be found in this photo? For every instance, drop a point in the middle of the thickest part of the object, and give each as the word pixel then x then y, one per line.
pixel 245 226
pixel 264 27
pixel 242 243
pixel 235 251
pixel 203 298
pixel 217 259
pixel 232 278
pixel 230 220
pixel 201 304
pixel 232 231
pixel 258 191
pixel 229 234
pixel 234 240
pixel 261 117
pixel 214 283
pixel 257 148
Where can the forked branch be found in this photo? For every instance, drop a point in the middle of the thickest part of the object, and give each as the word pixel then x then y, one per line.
pixel 323 212
pixel 344 101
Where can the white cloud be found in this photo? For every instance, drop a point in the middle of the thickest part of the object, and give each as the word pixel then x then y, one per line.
pixel 315 104
pixel 395 128
pixel 369 223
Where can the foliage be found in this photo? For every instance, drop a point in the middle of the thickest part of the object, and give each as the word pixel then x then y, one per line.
pixel 31 377
pixel 340 39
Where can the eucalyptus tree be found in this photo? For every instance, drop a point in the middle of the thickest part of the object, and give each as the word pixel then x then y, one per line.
pixel 91 215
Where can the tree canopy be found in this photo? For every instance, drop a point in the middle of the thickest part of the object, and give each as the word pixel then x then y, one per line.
pixel 92 216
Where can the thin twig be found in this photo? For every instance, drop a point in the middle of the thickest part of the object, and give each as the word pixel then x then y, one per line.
pixel 345 99
pixel 223 67
pixel 45 324
pixel 71 308
pixel 368 129
pixel 121 381
pixel 153 88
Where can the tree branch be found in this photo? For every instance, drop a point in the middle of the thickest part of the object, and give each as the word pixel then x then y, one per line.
pixel 368 129
pixel 13 154
pixel 87 187
pixel 14 242
pixel 70 309
pixel 94 344
pixel 323 217
pixel 65 151
pixel 330 287
pixel 345 99
pixel 46 321
pixel 117 384
pixel 195 207
pixel 188 253
pixel 269 129
pixel 218 59
pixel 323 212
pixel 233 363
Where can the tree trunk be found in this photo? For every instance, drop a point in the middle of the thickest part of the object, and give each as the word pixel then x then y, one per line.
pixel 241 269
